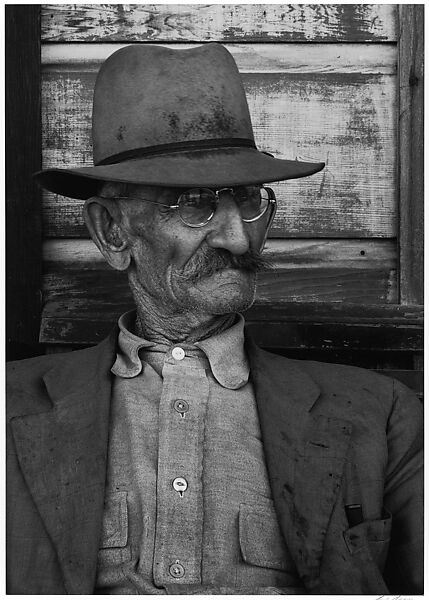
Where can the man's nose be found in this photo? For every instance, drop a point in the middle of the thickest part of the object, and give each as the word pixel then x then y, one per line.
pixel 227 229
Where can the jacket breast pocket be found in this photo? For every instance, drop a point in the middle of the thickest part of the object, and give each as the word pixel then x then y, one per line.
pixel 261 542
pixel 372 536
pixel 114 533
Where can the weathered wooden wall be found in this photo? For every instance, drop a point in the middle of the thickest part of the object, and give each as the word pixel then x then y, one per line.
pixel 322 84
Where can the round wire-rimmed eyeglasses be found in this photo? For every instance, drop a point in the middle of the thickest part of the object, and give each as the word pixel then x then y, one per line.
pixel 197 206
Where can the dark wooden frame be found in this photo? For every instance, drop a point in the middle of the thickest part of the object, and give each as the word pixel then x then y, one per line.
pixel 410 152
pixel 23 199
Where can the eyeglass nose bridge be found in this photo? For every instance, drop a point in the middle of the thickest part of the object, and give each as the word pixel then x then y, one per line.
pixel 217 193
pixel 225 189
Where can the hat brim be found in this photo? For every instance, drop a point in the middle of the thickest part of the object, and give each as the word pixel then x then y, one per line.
pixel 197 168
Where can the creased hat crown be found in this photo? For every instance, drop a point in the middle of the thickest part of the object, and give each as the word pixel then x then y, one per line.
pixel 148 96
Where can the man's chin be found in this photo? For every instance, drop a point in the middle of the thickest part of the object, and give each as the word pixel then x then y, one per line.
pixel 226 291
pixel 233 305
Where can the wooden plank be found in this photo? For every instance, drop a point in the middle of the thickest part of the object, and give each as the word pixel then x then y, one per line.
pixel 351 254
pixel 276 336
pixel 230 22
pixel 337 312
pixel 77 278
pixel 290 325
pixel 23 201
pixel 345 119
pixel 250 58
pixel 280 311
pixel 323 336
pixel 411 155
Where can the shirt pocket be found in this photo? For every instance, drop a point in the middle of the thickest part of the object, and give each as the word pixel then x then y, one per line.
pixel 371 536
pixel 115 521
pixel 261 542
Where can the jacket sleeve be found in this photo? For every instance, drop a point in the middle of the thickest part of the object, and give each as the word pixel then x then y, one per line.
pixel 403 494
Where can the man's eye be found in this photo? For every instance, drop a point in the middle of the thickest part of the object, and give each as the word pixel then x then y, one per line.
pixel 249 200
pixel 165 210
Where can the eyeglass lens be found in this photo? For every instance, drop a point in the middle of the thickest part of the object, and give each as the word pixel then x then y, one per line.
pixel 197 206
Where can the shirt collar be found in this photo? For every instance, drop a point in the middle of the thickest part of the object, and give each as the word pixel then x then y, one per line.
pixel 224 351
pixel 127 363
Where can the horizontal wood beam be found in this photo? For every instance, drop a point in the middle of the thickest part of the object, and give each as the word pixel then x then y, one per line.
pixel 230 22
pixel 250 58
pixel 337 313
pixel 283 326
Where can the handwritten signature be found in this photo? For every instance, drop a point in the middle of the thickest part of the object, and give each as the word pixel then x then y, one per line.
pixel 400 597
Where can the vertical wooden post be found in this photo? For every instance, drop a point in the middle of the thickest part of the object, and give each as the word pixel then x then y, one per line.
pixel 410 152
pixel 23 199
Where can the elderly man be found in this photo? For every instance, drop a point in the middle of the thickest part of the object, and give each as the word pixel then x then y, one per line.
pixel 176 456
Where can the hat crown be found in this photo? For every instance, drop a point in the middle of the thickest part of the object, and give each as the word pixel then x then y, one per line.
pixel 149 96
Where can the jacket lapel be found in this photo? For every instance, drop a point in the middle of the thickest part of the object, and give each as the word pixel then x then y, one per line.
pixel 305 453
pixel 62 454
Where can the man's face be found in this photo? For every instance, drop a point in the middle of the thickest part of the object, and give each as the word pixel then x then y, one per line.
pixel 173 263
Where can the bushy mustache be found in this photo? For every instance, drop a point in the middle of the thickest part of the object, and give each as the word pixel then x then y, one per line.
pixel 208 261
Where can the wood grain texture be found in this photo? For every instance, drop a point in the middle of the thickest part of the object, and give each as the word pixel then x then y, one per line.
pixel 250 57
pixel 231 22
pixel 288 325
pixel 274 335
pixel 328 336
pixel 345 119
pixel 328 326
pixel 411 156
pixel 23 199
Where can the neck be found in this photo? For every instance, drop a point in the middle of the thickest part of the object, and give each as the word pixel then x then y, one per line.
pixel 162 326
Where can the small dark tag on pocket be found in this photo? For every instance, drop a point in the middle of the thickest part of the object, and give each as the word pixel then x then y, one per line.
pixel 354 514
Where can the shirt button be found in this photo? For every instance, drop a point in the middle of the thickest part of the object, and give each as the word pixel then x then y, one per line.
pixel 180 485
pixel 177 570
pixel 181 406
pixel 178 353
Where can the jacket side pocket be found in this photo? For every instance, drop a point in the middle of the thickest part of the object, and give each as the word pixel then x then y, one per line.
pixel 371 535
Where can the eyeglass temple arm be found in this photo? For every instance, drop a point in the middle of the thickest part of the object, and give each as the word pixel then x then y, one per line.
pixel 273 203
pixel 146 200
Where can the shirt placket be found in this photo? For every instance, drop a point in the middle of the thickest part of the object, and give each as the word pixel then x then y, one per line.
pixel 179 524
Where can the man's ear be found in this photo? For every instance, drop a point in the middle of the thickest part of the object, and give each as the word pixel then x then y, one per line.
pixel 102 217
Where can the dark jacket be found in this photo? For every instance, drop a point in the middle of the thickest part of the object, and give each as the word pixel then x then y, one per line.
pixel 333 436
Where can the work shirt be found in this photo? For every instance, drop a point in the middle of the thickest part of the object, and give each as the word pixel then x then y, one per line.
pixel 187 499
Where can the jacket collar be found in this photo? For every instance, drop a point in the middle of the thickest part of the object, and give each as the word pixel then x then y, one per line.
pixel 62 454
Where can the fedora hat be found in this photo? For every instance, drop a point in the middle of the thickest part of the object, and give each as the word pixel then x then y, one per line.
pixel 175 118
